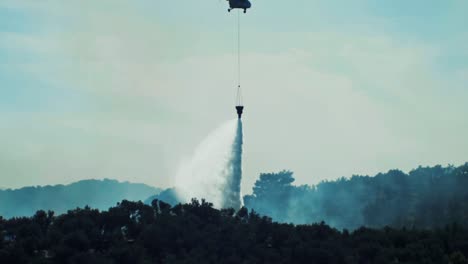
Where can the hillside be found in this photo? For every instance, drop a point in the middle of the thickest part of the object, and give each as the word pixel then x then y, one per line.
pixel 196 233
pixel 100 194
pixel 426 197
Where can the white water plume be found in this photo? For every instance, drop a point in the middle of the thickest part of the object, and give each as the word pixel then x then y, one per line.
pixel 214 172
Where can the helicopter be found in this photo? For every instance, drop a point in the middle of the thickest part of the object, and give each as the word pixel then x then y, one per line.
pixel 240 4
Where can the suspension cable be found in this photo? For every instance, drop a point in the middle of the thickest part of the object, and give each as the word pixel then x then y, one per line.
pixel 239 94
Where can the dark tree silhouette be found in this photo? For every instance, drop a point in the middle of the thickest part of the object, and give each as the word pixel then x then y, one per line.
pixel 133 232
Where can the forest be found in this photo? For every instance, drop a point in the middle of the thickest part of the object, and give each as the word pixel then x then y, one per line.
pixel 426 197
pixel 392 217
pixel 133 232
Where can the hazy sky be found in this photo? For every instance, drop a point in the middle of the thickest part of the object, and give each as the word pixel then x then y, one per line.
pixel 127 89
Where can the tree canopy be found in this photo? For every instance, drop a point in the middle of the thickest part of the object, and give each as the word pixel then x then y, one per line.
pixel 133 232
pixel 427 197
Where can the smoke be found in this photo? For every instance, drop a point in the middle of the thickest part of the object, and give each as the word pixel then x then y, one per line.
pixel 214 172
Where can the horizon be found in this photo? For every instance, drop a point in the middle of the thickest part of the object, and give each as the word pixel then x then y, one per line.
pixel 126 90
pixel 82 180
pixel 245 193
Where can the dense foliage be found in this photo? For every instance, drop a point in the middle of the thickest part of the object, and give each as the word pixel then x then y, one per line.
pixel 196 233
pixel 426 197
pixel 60 198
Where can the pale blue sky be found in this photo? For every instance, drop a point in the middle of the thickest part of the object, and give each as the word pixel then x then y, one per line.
pixel 127 89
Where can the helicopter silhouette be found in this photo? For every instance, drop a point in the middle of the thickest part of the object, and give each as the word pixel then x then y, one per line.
pixel 239 4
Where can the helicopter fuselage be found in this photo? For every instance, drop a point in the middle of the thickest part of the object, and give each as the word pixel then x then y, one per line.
pixel 239 4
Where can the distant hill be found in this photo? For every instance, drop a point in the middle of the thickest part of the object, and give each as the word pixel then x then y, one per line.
pixel 100 194
pixel 168 196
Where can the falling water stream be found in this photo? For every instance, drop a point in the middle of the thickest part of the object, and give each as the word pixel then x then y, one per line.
pixel 214 172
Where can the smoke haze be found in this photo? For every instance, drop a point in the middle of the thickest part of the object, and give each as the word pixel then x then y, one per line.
pixel 215 170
